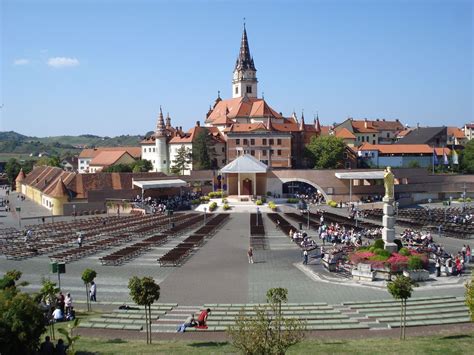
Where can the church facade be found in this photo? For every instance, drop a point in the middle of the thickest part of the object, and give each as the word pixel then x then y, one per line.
pixel 243 124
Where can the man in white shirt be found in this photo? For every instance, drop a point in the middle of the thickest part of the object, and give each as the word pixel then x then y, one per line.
pixel 58 315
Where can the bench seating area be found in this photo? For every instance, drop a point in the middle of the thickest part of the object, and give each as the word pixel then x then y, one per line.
pixel 178 254
pixel 434 310
pixel 417 218
pixel 120 256
pixel 281 223
pixel 51 237
pixel 257 232
pixel 132 319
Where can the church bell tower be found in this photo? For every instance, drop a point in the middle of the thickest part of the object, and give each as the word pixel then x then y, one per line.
pixel 245 80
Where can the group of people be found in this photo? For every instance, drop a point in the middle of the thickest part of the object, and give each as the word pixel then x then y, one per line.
pixel 48 348
pixel 175 203
pixel 466 218
pixel 451 264
pixel 191 322
pixel 315 198
pixel 63 310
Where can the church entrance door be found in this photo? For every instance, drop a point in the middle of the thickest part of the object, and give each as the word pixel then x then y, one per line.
pixel 247 187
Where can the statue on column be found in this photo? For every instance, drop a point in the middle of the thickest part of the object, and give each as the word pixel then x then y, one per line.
pixel 388 180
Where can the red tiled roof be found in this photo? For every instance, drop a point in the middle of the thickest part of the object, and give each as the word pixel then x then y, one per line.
pixel 286 127
pixel 344 133
pixel 191 135
pixel 456 132
pixel 21 176
pixel 246 127
pixel 135 152
pixel 108 158
pixel 241 107
pixel 378 125
pixel 59 190
pixel 403 148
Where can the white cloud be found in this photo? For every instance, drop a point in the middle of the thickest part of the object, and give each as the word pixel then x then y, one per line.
pixel 21 61
pixel 62 62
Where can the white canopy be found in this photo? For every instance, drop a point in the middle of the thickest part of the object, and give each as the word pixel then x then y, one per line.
pixel 361 175
pixel 157 184
pixel 245 164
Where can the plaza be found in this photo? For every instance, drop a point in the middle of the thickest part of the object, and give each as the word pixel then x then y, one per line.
pixel 218 274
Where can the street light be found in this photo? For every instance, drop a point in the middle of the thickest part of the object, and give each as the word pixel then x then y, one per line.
pixel 257 216
pixel 205 209
pixel 397 204
pixel 74 211
pixel 308 216
pixel 429 208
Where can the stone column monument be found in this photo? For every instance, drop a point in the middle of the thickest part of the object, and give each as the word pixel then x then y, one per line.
pixel 388 231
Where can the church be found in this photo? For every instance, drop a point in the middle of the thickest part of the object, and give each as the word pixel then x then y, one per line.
pixel 242 125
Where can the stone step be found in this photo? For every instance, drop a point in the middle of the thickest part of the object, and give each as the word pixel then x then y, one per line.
pixel 432 322
pixel 417 312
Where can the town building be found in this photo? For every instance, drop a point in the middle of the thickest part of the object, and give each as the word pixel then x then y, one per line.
pixel 456 137
pixel 433 136
pixel 468 130
pixel 87 155
pixel 379 131
pixel 400 155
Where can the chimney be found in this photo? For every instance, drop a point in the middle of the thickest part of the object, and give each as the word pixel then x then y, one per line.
pixel 198 124
pixel 365 122
pixel 180 128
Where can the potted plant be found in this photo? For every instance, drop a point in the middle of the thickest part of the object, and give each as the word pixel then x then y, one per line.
pixel 415 269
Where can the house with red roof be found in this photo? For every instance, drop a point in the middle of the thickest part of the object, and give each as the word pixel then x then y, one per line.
pixel 378 131
pixel 89 154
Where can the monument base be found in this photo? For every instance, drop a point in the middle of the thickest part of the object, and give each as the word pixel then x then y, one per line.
pixel 391 247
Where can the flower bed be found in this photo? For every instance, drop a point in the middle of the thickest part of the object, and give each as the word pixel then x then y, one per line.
pixel 380 260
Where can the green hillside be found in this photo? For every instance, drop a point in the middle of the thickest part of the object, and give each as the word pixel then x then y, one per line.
pixel 13 144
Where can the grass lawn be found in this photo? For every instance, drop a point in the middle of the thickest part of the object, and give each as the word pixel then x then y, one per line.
pixel 450 344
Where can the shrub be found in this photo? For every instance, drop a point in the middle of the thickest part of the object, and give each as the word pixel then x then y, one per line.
pixel 205 198
pixel 263 199
pixel 195 202
pixel 404 252
pixel 415 263
pixel 212 206
pixel 292 200
pixel 259 202
pixel 382 252
pixel 224 200
pixel 211 194
pixel 468 199
pixel 272 205
pixel 332 203
pixel 378 258
pixel 226 207
pixel 379 244
pixel 269 193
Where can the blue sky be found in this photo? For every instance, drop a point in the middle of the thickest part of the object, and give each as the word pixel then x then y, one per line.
pixel 104 67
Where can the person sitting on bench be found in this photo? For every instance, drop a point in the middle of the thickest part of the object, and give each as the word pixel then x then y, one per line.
pixel 190 322
pixel 202 319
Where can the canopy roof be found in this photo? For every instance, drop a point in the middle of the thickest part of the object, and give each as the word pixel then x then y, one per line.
pixel 245 164
pixel 361 175
pixel 159 184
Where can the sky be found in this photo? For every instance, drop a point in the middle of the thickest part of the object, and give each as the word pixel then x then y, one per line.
pixel 104 67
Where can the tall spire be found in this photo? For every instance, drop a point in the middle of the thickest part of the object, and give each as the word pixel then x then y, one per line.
pixel 160 126
pixel 245 60
pixel 302 121
pixel 168 120
pixel 317 126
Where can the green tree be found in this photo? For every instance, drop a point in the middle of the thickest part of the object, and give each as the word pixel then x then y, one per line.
pixel 401 289
pixel 144 292
pixel 69 334
pixel 182 161
pixel 88 275
pixel 48 161
pixel 21 319
pixel 12 169
pixel 202 151
pixel 467 157
pixel 142 166
pixel 470 297
pixel 327 152
pixel 47 294
pixel 119 168
pixel 266 332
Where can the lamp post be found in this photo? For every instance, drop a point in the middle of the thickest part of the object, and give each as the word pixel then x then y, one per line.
pixel 397 204
pixel 308 216
pixel 429 208
pixel 74 211
pixel 257 216
pixel 205 209
pixel 356 215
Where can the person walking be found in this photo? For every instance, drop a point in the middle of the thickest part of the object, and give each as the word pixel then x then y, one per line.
pixel 68 302
pixel 250 255
pixel 93 292
pixel 305 257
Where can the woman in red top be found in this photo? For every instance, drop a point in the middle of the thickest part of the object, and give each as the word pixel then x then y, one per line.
pixel 202 319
